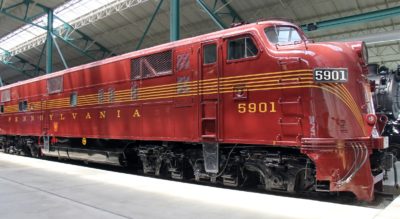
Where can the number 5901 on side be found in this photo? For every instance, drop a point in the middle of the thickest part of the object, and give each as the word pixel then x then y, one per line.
pixel 331 75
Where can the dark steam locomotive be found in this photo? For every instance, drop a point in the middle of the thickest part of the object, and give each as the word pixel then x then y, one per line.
pixel 385 85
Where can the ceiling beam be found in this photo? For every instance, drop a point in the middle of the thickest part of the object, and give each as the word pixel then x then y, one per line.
pixel 232 12
pixel 20 64
pixel 139 44
pixel 219 9
pixel 215 17
pixel 82 42
pixel 174 20
pixel 353 19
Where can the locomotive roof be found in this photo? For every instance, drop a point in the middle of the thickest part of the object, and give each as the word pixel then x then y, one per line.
pixel 170 45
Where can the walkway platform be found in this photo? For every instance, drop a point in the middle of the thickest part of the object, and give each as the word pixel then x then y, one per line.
pixel 34 188
pixel 390 212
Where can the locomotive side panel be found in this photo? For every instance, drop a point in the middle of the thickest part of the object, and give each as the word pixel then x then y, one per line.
pixel 153 101
pixel 251 91
pixel 102 109
pixel 185 110
pixel 152 72
pixel 22 113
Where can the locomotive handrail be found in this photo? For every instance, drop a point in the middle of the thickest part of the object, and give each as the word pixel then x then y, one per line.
pixel 280 101
pixel 290 123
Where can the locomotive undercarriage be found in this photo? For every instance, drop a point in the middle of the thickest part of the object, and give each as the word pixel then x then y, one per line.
pixel 239 166
pixel 272 169
pixel 19 145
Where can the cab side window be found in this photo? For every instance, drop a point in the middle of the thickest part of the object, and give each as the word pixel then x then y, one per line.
pixel 1 109
pixel 282 35
pixel 241 48
pixel 210 54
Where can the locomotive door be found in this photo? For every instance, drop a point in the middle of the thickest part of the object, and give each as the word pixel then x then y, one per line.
pixel 209 92
pixel 209 104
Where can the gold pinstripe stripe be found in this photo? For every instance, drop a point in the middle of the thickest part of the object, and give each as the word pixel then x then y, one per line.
pixel 338 89
pixel 346 91
pixel 354 106
pixel 253 82
pixel 307 84
pixel 170 89
pixel 349 103
pixel 220 88
pixel 231 77
pixel 351 99
pixel 201 83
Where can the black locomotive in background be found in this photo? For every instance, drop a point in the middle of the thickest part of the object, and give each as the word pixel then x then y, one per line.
pixel 385 85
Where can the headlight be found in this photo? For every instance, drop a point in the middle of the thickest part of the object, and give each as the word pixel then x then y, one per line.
pixel 364 53
pixel 361 51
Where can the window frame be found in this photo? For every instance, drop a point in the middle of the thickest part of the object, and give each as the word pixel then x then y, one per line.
pixel 286 44
pixel 216 53
pixel 25 103
pixel 236 37
pixel 111 95
pixel 8 92
pixel 134 92
pixel 100 96
pixel 74 93
pixel 150 54
pixel 61 77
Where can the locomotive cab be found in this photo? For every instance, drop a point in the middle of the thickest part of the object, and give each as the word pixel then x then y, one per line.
pixel 329 110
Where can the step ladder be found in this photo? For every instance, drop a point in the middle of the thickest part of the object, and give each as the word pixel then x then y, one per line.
pixel 291 120
pixel 209 121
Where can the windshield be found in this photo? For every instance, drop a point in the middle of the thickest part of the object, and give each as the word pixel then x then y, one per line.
pixel 282 35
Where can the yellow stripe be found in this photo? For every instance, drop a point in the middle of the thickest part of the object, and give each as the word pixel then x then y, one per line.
pixel 355 105
pixel 252 82
pixel 222 85
pixel 171 92
pixel 348 103
pixel 93 98
pixel 213 80
pixel 356 110
pixel 267 73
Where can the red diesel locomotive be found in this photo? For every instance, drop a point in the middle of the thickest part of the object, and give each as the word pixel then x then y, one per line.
pixel 256 104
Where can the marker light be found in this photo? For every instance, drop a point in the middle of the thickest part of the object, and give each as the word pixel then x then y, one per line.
pixel 371 119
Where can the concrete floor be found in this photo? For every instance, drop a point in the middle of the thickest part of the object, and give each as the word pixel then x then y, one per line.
pixel 33 188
